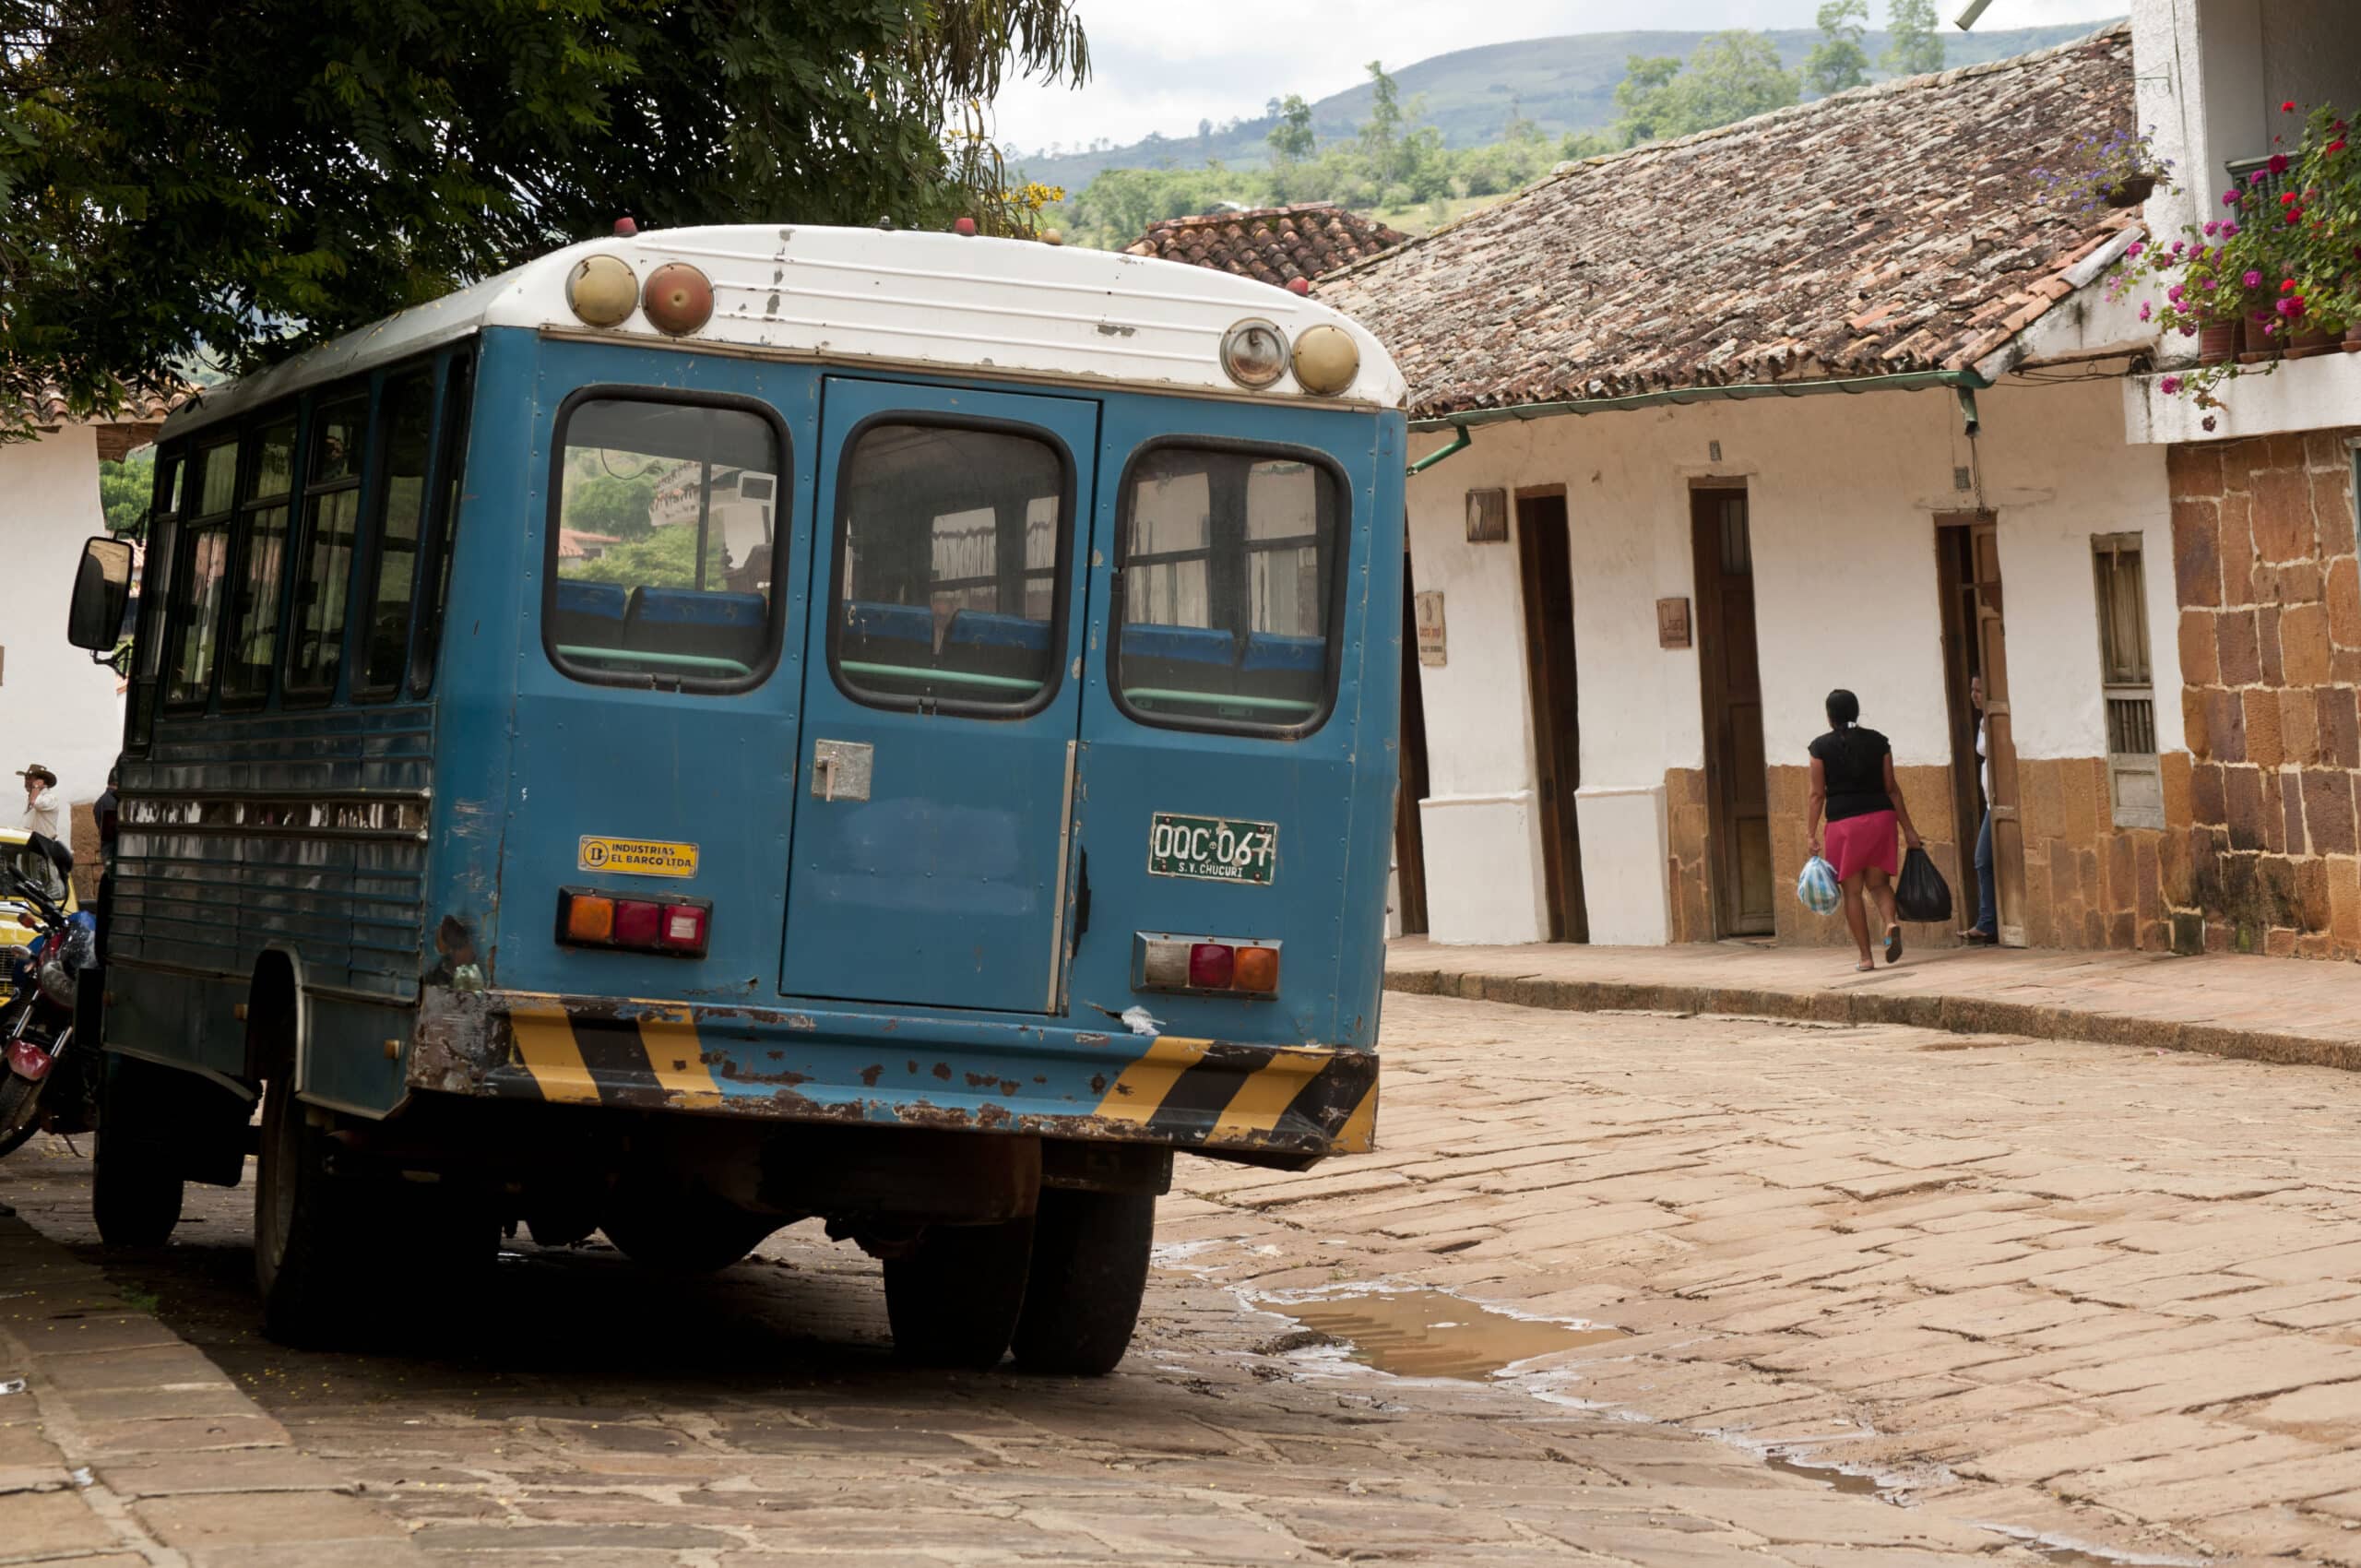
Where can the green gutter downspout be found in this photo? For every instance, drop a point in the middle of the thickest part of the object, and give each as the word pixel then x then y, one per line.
pixel 1965 381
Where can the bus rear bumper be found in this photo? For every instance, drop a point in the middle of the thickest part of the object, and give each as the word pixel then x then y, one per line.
pixel 1287 1105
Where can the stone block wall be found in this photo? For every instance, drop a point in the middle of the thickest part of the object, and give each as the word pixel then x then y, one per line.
pixel 2264 567
pixel 2088 883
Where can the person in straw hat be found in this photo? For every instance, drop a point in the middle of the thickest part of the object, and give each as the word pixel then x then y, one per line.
pixel 40 807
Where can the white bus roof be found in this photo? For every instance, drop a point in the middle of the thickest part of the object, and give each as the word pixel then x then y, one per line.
pixel 939 303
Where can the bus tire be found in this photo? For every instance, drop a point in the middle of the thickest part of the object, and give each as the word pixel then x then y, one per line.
pixel 311 1230
pixel 696 1236
pixel 1081 1299
pixel 955 1301
pixel 135 1192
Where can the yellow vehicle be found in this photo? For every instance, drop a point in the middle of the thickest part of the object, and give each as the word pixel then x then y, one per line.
pixel 35 868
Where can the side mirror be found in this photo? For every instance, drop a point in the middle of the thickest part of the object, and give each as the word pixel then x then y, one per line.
pixel 102 590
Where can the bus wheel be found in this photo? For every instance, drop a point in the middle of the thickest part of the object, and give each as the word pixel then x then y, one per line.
pixel 691 1235
pixel 954 1300
pixel 312 1235
pixel 136 1186
pixel 1082 1300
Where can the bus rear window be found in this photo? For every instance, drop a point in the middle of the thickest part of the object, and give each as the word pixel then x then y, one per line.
pixel 1230 564
pixel 662 543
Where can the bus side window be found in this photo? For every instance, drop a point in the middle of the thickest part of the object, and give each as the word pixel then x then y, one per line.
pixel 951 545
pixel 262 552
pixel 155 595
pixel 451 465
pixel 331 516
pixel 1230 560
pixel 406 413
pixel 205 555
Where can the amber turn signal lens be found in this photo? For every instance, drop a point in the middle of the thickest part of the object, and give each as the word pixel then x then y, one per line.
pixel 678 298
pixel 1257 968
pixel 1326 360
pixel 601 290
pixel 589 919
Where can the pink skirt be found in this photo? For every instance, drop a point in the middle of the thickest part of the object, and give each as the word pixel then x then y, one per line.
pixel 1857 843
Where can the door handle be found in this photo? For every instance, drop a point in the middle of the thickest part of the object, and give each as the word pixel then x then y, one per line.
pixel 840 769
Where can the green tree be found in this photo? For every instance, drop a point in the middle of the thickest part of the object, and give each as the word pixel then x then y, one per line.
pixel 611 505
pixel 1641 98
pixel 1837 61
pixel 1731 76
pixel 1379 131
pixel 1917 48
pixel 124 489
pixel 1291 140
pixel 247 177
pixel 667 558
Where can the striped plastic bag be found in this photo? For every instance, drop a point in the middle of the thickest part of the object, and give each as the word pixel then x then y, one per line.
pixel 1817 887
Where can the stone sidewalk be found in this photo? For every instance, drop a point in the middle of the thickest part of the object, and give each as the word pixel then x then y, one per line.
pixel 2264 1009
pixel 123 1448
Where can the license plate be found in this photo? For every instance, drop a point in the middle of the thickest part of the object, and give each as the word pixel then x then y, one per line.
pixel 1215 848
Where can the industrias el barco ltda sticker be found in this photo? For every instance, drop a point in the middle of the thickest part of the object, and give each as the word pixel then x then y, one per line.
pixel 1217 848
pixel 637 857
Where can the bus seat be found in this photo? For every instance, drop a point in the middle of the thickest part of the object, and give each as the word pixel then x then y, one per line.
pixel 588 614
pixel 989 644
pixel 1269 651
pixel 887 634
pixel 1187 659
pixel 711 626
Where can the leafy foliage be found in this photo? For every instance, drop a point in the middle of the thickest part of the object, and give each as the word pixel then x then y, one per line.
pixel 1838 61
pixel 124 491
pixel 1917 48
pixel 665 558
pixel 244 178
pixel 1732 75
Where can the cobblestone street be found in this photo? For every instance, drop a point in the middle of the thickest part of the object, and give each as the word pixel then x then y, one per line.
pixel 1853 1295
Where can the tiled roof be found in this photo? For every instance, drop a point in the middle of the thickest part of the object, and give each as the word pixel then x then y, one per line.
pixel 133 426
pixel 577 544
pixel 1274 243
pixel 1898 227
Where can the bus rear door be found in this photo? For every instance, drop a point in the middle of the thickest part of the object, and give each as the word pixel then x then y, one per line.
pixel 931 848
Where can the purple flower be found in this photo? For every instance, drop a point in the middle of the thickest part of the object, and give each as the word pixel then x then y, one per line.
pixel 2175 293
pixel 2135 248
pixel 2168 386
pixel 2253 279
pixel 2229 198
pixel 2213 227
pixel 2229 230
pixel 2210 284
pixel 2146 309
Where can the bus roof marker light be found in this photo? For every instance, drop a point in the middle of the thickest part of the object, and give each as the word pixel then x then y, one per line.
pixel 601 290
pixel 678 298
pixel 1326 360
pixel 966 226
pixel 1254 353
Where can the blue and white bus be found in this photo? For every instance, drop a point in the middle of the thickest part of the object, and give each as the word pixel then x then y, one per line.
pixel 727 726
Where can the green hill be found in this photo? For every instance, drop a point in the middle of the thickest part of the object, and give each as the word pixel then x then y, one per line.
pixel 1564 83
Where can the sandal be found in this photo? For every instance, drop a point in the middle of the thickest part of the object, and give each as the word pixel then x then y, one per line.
pixel 1893 944
pixel 1868 967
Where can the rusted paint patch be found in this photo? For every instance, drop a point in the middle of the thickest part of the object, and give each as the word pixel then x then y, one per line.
pixel 869 1076
pixel 943 1071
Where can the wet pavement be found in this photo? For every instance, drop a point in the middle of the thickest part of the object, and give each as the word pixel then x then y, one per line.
pixel 1628 1289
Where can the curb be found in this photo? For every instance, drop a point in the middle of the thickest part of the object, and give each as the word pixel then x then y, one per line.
pixel 1949 1014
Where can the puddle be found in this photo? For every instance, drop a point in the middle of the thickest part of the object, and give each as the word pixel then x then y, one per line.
pixel 1428 1334
pixel 1827 1476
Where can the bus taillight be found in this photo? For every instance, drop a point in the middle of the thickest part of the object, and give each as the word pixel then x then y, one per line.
pixel 1208 965
pixel 680 927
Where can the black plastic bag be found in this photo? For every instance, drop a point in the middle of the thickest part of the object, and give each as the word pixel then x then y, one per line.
pixel 1920 893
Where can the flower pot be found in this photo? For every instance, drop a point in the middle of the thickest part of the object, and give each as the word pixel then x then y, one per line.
pixel 2259 345
pixel 2217 343
pixel 2352 344
pixel 2130 191
pixel 2310 341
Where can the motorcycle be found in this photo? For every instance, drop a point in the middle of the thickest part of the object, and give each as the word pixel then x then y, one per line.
pixel 47 1081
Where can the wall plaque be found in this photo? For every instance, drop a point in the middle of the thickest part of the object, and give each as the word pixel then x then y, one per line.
pixel 1428 608
pixel 1488 517
pixel 1672 622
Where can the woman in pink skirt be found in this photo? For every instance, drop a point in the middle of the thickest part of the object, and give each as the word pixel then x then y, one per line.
pixel 1852 784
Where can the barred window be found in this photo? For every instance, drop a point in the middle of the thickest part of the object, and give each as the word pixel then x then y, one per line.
pixel 2134 779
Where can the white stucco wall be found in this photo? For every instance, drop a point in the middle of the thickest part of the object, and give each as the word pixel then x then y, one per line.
pixel 1841 490
pixel 56 707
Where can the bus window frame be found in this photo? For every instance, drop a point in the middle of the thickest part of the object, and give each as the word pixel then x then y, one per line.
pixel 1119 607
pixel 775 623
pixel 305 525
pixel 155 596
pixel 296 411
pixel 227 521
pixel 370 584
pixel 455 390
pixel 1061 580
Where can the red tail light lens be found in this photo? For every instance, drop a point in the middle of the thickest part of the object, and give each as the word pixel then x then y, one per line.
pixel 679 927
pixel 1210 965
pixel 1244 967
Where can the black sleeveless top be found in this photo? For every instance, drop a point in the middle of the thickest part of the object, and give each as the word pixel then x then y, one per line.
pixel 1853 763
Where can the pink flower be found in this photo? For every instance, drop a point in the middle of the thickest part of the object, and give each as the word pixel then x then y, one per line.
pixel 2211 283
pixel 2279 163
pixel 2229 230
pixel 2213 227
pixel 2229 198
pixel 2253 279
pixel 2134 248
pixel 2168 386
pixel 2145 310
pixel 2174 294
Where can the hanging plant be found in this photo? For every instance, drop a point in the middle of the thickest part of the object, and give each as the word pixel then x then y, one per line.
pixel 2119 170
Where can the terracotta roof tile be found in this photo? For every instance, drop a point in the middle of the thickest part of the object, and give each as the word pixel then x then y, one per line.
pixel 1893 228
pixel 1274 244
pixel 134 425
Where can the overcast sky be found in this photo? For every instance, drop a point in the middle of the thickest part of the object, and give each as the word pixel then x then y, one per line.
pixel 1161 64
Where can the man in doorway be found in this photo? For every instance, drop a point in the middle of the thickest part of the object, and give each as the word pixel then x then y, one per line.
pixel 1986 929
pixel 41 805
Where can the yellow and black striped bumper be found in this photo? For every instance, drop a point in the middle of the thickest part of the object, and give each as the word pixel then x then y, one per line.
pixel 1288 1102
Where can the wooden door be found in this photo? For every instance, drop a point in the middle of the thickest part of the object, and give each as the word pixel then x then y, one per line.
pixel 1545 558
pixel 1738 783
pixel 1409 842
pixel 2000 739
pixel 1962 663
